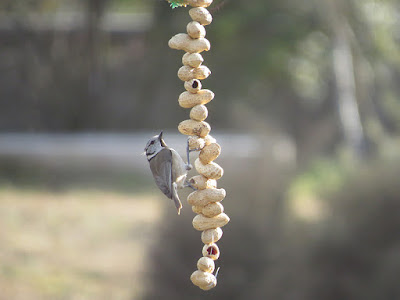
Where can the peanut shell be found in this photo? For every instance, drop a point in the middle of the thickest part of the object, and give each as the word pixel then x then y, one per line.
pixel 203 197
pixel 212 209
pixel 201 222
pixel 193 60
pixel 192 86
pixel 195 30
pixel 209 140
pixel 199 112
pixel 206 264
pixel 203 280
pixel 196 143
pixel 211 235
pixel 190 127
pixel 183 41
pixel 209 153
pixel 211 170
pixel 200 182
pixel 188 100
pixel 197 209
pixel 199 3
pixel 201 15
pixel 211 251
pixel 187 73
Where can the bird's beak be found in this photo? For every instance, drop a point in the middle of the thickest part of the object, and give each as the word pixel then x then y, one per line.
pixel 161 139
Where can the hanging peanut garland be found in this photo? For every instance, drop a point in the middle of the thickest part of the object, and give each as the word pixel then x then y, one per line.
pixel 206 200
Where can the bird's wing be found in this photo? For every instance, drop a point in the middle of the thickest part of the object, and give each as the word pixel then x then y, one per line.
pixel 162 171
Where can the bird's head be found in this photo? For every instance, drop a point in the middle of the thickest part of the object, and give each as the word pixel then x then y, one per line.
pixel 154 145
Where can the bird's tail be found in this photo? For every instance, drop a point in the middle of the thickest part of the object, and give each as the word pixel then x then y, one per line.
pixel 176 199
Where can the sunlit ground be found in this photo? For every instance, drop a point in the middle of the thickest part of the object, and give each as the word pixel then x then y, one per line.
pixel 74 244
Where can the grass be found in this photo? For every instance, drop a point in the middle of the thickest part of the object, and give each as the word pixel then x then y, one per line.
pixel 74 244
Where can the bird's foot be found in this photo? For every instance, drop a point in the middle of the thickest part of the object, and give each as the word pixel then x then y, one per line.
pixel 188 150
pixel 188 184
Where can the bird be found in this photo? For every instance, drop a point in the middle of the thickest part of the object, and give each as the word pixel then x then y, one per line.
pixel 168 168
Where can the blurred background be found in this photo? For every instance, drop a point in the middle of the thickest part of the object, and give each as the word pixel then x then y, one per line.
pixel 307 112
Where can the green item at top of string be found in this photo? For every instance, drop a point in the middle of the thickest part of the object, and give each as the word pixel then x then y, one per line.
pixel 177 3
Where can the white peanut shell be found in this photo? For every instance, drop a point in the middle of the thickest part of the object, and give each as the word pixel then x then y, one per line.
pixel 199 3
pixel 212 209
pixel 182 41
pixel 201 15
pixel 203 197
pixel 211 170
pixel 212 235
pixel 188 100
pixel 211 251
pixel 209 153
pixel 190 127
pixel 192 86
pixel 209 140
pixel 186 73
pixel 200 182
pixel 197 209
pixel 204 280
pixel 196 142
pixel 195 30
pixel 206 264
pixel 201 222
pixel 199 112
pixel 193 60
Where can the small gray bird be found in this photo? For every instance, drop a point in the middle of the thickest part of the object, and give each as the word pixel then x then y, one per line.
pixel 168 168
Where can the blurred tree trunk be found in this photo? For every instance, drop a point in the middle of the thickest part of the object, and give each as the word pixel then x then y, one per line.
pixel 334 14
pixel 343 68
pixel 159 74
pixel 94 37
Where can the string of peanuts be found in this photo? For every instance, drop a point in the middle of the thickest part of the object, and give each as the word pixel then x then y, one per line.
pixel 206 200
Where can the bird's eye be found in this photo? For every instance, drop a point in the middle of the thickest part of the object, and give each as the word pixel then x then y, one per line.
pixel 152 142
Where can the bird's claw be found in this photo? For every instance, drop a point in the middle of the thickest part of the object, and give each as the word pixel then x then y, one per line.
pixel 188 184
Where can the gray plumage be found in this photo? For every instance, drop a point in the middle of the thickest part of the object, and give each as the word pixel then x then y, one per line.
pixel 168 168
